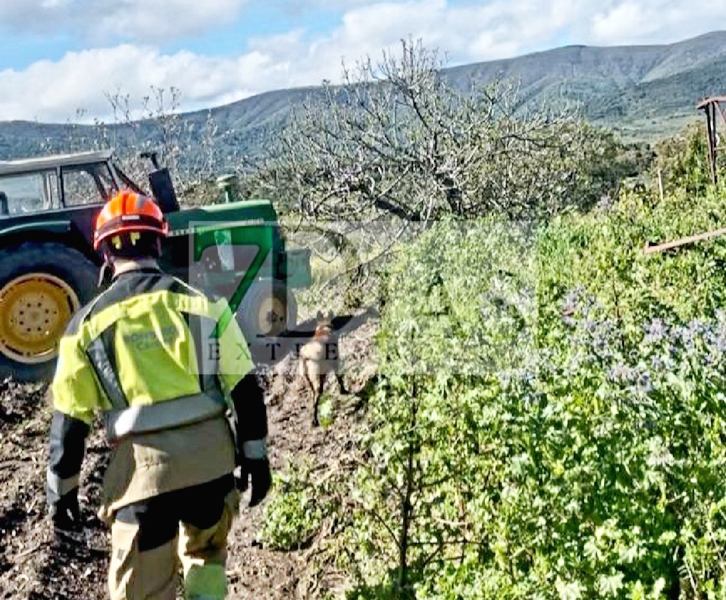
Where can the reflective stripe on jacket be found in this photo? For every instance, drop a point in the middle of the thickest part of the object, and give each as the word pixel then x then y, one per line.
pixel 158 361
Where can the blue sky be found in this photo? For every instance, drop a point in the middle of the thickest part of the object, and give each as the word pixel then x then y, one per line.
pixel 58 57
pixel 21 46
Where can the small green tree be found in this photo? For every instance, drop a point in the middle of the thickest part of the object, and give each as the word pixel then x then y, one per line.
pixel 683 161
pixel 456 315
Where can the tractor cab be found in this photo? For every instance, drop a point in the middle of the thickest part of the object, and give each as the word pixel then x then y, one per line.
pixel 48 268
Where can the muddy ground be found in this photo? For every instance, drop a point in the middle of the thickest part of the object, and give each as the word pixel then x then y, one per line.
pixel 33 566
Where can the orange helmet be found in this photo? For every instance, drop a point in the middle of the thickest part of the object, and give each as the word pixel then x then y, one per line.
pixel 128 211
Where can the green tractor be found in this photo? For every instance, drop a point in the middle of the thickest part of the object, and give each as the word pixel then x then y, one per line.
pixel 48 267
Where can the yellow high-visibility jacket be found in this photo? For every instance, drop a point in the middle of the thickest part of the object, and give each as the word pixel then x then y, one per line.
pixel 164 366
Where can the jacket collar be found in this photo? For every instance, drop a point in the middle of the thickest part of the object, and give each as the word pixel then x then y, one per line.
pixel 122 266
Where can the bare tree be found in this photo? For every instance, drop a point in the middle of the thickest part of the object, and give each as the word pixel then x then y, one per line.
pixel 396 138
pixel 190 148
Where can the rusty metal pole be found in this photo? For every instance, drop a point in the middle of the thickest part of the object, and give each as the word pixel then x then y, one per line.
pixel 711 142
pixel 716 144
pixel 711 106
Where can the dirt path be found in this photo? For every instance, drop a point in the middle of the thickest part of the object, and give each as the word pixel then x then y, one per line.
pixel 32 567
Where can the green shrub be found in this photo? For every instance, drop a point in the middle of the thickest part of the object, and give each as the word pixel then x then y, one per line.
pixel 293 515
pixel 549 422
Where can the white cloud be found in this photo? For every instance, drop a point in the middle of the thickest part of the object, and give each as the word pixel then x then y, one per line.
pixel 653 21
pixel 101 20
pixel 464 32
pixel 57 90
pixel 467 31
pixel 301 7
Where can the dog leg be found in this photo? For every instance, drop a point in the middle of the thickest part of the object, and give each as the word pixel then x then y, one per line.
pixel 308 384
pixel 320 380
pixel 341 384
pixel 316 402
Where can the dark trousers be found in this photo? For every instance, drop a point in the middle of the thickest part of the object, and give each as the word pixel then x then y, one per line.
pixel 151 539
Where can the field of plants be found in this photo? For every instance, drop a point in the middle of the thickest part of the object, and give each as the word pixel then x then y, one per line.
pixel 549 419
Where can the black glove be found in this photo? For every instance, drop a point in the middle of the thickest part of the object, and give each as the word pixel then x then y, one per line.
pixel 258 471
pixel 66 513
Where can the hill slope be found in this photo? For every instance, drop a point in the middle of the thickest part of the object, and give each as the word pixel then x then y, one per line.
pixel 617 86
pixel 644 91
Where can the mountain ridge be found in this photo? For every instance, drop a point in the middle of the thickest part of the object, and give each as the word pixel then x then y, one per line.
pixel 638 90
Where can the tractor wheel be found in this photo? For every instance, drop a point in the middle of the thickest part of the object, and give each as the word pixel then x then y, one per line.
pixel 268 309
pixel 41 286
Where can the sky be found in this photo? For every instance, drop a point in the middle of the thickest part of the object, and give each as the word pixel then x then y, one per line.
pixel 65 60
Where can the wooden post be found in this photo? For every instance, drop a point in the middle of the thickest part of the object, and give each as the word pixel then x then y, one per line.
pixel 683 241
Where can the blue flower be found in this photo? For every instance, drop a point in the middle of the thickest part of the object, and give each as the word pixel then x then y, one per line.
pixel 655 331
pixel 644 383
pixel 621 372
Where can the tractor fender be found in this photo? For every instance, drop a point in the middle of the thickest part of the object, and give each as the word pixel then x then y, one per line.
pixel 53 227
pixel 61 231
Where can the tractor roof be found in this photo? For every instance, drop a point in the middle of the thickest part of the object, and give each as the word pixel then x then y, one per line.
pixel 29 165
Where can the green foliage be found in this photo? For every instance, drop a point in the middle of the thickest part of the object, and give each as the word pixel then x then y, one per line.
pixel 426 423
pixel 683 160
pixel 293 515
pixel 549 422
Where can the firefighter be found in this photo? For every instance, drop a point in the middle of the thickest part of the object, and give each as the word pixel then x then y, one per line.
pixel 169 372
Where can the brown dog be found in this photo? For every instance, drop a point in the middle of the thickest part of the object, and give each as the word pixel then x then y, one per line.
pixel 318 358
